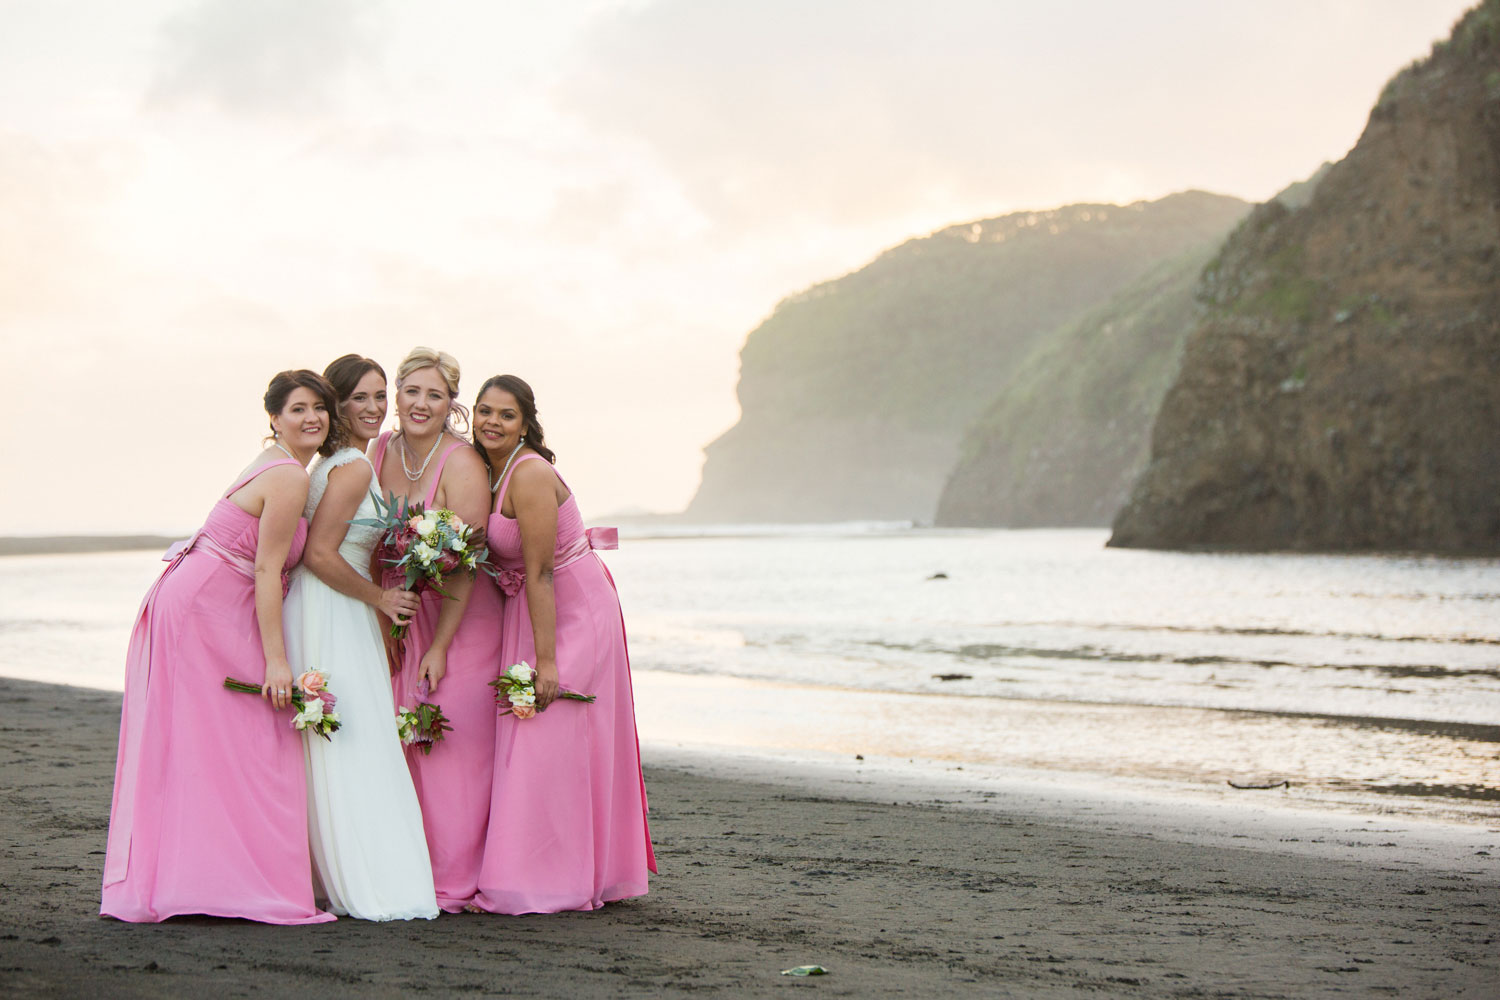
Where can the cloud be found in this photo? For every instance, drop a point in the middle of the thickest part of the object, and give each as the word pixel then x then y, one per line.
pixel 267 57
pixel 847 110
pixel 54 197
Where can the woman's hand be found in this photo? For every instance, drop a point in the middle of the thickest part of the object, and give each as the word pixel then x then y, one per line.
pixel 399 606
pixel 278 682
pixel 546 684
pixel 432 668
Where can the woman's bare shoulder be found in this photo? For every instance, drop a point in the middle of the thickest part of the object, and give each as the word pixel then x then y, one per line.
pixel 533 474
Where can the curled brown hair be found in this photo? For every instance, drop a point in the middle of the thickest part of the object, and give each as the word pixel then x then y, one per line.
pixel 532 429
pixel 285 383
pixel 344 373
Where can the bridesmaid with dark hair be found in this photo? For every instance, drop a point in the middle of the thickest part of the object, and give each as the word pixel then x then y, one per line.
pixel 210 803
pixel 368 848
pixel 567 823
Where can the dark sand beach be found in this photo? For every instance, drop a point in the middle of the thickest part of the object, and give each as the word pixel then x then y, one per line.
pixel 894 900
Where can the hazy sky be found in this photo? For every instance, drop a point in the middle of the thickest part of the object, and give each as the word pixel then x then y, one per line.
pixel 601 196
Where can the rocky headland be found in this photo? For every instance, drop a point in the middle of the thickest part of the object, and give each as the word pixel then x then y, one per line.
pixel 1064 441
pixel 1343 388
pixel 856 393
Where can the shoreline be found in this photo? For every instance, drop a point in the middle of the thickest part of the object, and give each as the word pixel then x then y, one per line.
pixel 76 545
pixel 765 867
pixel 992 741
pixel 780 729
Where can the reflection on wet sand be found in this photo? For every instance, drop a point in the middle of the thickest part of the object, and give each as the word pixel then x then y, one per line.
pixel 1439 770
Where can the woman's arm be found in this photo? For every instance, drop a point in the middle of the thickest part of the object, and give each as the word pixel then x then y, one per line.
pixel 463 489
pixel 285 494
pixel 533 493
pixel 347 486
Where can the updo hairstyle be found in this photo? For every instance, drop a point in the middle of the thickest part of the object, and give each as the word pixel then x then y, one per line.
pixel 285 383
pixel 345 373
pixel 447 366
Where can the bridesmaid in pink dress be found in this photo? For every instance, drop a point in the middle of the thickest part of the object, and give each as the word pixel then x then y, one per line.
pixel 451 644
pixel 568 813
pixel 210 804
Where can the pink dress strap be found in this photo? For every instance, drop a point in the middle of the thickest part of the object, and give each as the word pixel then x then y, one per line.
pixel 381 443
pixel 505 483
pixel 437 476
pixel 238 483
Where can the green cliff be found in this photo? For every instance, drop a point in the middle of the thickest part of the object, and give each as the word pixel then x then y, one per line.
pixel 856 393
pixel 1065 440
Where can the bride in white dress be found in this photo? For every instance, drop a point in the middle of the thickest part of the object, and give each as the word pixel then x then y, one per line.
pixel 368 849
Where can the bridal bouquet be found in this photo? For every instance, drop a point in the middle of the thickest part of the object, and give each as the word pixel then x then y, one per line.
pixel 515 691
pixel 424 725
pixel 425 544
pixel 312 702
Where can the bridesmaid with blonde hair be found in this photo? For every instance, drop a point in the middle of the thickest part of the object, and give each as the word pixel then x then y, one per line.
pixel 210 803
pixel 451 650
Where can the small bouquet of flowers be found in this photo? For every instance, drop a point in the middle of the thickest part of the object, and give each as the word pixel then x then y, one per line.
pixel 312 702
pixel 424 725
pixel 425 544
pixel 515 691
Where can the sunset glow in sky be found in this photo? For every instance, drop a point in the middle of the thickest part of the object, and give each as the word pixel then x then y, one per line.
pixel 602 196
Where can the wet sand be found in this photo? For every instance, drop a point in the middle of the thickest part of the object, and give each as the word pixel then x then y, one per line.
pixel 913 899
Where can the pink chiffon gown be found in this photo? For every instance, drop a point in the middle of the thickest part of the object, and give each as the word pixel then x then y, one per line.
pixel 568 826
pixel 453 781
pixel 210 804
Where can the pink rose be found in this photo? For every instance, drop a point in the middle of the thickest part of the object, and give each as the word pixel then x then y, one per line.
pixel 311 682
pixel 523 711
pixel 413 521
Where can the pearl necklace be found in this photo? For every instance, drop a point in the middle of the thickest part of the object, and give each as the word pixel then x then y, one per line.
pixel 414 476
pixel 495 484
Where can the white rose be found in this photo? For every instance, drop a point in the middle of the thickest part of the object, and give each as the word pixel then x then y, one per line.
pixel 427 525
pixel 521 672
pixel 311 714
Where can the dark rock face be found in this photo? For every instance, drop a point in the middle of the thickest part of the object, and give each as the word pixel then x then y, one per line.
pixel 1343 391
pixel 856 393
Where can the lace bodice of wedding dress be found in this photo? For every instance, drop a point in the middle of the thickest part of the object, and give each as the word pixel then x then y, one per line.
pixel 361 539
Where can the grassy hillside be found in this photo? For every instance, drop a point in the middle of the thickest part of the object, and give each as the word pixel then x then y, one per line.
pixel 855 394
pixel 1066 439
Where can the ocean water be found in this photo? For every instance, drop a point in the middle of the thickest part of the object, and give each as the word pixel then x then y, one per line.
pixel 1363 681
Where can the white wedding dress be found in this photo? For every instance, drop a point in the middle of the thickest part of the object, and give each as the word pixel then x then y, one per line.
pixel 368 849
